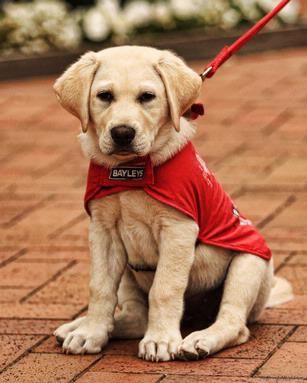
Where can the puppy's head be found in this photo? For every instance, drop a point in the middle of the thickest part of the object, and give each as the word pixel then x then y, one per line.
pixel 126 95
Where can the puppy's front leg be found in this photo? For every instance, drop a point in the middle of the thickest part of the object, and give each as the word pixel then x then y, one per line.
pixel 90 333
pixel 176 255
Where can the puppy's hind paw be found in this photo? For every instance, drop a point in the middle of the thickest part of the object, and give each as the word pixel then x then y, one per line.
pixel 194 347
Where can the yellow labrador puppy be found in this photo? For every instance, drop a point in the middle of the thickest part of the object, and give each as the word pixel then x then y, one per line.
pixel 145 255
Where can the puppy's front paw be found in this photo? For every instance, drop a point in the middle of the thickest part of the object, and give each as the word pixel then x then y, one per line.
pixel 82 336
pixel 200 344
pixel 159 347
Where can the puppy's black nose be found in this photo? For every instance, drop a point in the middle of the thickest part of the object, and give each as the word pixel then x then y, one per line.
pixel 122 135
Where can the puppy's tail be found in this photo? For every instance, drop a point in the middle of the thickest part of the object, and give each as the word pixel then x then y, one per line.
pixel 281 292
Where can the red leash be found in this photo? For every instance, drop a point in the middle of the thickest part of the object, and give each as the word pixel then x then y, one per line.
pixel 197 109
pixel 227 51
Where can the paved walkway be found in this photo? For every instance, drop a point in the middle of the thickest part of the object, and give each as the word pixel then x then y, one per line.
pixel 253 137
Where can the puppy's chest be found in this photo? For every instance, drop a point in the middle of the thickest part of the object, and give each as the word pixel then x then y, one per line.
pixel 136 219
pixel 139 227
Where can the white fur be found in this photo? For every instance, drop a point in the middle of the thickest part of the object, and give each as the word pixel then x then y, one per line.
pixel 131 226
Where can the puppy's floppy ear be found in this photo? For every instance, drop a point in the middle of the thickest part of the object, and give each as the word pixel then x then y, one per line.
pixel 181 83
pixel 73 87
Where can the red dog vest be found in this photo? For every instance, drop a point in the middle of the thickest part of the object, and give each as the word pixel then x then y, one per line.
pixel 185 183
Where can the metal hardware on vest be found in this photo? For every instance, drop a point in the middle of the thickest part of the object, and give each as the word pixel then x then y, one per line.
pixel 205 73
pixel 127 173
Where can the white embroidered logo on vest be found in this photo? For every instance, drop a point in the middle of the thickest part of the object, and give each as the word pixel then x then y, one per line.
pixel 203 167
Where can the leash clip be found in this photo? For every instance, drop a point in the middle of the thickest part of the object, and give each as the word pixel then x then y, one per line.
pixel 205 73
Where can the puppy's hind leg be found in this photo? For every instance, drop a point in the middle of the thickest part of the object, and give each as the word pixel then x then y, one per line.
pixel 131 319
pixel 244 284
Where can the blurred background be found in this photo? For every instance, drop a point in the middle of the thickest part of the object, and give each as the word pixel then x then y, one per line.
pixel 38 26
pixel 43 37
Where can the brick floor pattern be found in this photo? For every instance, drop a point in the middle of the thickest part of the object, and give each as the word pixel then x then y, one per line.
pixel 252 137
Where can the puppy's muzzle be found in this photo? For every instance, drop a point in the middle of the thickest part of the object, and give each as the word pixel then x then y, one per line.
pixel 122 135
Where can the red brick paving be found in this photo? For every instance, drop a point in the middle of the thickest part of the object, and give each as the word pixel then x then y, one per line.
pixel 38 368
pixel 210 379
pixel 252 136
pixel 28 326
pixel 290 361
pixel 108 377
pixel 12 346
pixel 300 335
pixel 213 366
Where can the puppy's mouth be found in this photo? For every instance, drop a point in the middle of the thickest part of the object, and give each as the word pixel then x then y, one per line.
pixel 124 153
pixel 127 151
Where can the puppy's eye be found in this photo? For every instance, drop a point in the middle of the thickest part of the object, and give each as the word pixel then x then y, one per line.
pixel 146 97
pixel 105 96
